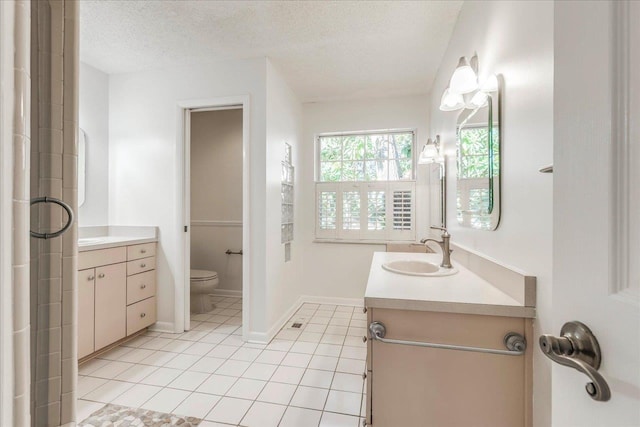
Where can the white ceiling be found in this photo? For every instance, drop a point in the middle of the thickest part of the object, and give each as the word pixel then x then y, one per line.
pixel 325 49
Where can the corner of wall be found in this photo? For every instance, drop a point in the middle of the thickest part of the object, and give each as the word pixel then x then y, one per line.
pixel 284 124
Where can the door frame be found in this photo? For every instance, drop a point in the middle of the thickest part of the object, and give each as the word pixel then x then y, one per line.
pixel 182 319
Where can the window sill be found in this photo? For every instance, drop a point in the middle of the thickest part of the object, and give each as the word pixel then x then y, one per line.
pixel 364 242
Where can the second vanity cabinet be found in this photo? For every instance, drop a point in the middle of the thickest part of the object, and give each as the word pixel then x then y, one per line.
pixel 116 294
pixel 414 386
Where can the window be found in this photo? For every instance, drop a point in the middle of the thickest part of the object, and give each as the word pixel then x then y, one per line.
pixel 365 186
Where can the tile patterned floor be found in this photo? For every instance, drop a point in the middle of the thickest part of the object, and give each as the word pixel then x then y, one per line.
pixel 308 377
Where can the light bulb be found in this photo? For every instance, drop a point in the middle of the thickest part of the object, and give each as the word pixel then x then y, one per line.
pixel 451 101
pixel 478 100
pixel 464 79
pixel 491 84
pixel 429 154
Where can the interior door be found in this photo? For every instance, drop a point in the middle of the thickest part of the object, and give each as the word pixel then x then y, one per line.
pixel 596 204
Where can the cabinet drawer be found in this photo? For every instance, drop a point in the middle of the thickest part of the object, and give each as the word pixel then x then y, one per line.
pixel 140 315
pixel 141 251
pixel 141 286
pixel 141 265
pixel 90 259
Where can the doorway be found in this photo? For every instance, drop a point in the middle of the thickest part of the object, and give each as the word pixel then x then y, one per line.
pixel 215 210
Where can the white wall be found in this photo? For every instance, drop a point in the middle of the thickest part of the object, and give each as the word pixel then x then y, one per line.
pixel 143 178
pixel 93 112
pixel 216 194
pixel 284 124
pixel 516 40
pixel 341 270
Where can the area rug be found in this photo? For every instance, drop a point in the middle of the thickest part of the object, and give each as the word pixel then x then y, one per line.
pixel 121 416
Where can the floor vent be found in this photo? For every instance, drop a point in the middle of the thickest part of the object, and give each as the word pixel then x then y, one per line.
pixel 296 325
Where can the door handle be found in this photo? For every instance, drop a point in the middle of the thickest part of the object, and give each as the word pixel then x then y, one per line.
pixel 578 348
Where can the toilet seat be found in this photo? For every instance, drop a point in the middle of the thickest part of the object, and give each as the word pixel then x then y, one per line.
pixel 202 275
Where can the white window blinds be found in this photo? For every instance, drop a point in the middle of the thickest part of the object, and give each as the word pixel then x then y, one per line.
pixel 366 211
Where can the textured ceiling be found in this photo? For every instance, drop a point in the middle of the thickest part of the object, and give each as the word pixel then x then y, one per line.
pixel 325 49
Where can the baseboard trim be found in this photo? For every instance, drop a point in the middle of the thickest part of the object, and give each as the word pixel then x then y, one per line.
pixel 227 293
pixel 266 337
pixel 163 327
pixel 313 299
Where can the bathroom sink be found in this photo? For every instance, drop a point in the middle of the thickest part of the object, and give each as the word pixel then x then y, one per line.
pixel 418 268
pixel 91 241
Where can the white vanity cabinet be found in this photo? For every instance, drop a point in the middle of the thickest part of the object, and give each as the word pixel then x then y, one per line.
pixel 413 386
pixel 116 294
pixel 449 350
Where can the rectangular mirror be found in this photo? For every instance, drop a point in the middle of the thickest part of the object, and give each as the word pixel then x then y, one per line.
pixel 478 161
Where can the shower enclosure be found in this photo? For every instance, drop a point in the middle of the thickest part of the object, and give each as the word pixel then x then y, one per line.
pixel 38 151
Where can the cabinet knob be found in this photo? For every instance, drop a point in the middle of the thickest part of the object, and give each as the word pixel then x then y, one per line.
pixel 143 314
pixel 143 265
pixel 143 251
pixel 364 310
pixel 364 338
pixel 101 276
pixel 364 376
pixel 90 278
pixel 143 286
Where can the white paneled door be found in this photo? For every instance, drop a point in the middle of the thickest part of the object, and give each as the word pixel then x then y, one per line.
pixel 596 205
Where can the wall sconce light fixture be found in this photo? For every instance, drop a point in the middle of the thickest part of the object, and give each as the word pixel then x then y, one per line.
pixel 431 152
pixel 464 90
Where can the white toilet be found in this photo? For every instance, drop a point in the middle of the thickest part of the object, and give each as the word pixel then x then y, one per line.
pixel 203 282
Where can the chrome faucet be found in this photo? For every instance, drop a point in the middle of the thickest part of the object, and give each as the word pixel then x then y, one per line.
pixel 444 245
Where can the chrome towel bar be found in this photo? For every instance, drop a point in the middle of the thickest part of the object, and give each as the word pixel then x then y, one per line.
pixel 515 343
pixel 64 206
pixel 230 252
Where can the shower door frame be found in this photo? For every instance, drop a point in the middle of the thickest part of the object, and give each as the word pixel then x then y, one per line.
pixel 183 288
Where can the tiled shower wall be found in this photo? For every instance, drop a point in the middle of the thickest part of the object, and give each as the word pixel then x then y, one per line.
pixel 54 128
pixel 20 195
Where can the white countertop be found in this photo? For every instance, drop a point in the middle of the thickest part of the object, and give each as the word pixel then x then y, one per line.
pixel 104 237
pixel 111 242
pixel 463 292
